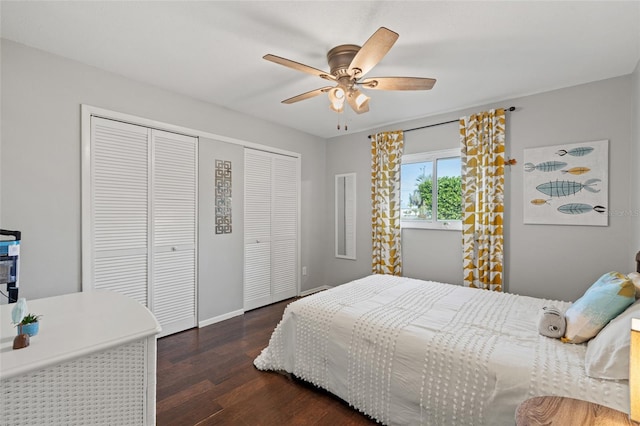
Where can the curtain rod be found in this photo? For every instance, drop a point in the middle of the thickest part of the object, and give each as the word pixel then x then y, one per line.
pixel 512 108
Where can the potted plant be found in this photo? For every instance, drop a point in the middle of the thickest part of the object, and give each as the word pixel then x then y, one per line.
pixel 26 323
pixel 30 324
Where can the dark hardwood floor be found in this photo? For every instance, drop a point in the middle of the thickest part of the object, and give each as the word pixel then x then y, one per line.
pixel 206 377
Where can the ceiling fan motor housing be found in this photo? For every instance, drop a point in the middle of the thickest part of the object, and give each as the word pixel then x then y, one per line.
pixel 340 58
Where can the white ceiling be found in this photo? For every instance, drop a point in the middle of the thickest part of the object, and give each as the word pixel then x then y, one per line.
pixel 479 52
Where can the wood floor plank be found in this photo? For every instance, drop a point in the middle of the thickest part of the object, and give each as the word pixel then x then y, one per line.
pixel 194 410
pixel 206 377
pixel 183 396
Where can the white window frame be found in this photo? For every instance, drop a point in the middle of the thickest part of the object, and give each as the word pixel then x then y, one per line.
pixel 433 156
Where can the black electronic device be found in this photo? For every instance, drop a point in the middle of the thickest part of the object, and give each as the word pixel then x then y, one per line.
pixel 10 263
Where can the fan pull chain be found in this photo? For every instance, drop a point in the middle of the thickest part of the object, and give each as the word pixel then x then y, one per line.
pixel 346 126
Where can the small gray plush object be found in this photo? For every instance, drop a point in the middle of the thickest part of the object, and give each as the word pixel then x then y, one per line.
pixel 551 322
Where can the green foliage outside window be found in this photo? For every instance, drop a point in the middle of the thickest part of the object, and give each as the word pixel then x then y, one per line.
pixel 421 198
pixel 449 197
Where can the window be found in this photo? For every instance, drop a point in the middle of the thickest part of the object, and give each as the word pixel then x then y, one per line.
pixel 424 205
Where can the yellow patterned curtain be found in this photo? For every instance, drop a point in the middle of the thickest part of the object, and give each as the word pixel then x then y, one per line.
pixel 482 136
pixel 386 157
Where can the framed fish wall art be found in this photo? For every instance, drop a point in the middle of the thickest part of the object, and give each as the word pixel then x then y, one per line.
pixel 567 184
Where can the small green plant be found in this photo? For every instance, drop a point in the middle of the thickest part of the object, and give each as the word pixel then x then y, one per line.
pixel 29 319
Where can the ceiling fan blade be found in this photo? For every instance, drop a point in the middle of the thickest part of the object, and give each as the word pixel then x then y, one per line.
pixel 372 51
pixel 398 83
pixel 298 66
pixel 307 95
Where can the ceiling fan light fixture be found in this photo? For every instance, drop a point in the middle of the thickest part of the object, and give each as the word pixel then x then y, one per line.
pixel 336 97
pixel 361 99
pixel 336 107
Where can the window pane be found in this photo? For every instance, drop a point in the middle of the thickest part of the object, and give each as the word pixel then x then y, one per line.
pixel 416 191
pixel 449 189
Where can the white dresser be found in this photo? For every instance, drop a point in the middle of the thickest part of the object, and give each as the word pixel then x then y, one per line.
pixel 93 362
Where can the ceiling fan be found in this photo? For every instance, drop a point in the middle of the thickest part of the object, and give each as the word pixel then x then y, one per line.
pixel 348 64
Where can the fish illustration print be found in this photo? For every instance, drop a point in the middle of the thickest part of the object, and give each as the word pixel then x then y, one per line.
pixel 580 208
pixel 563 188
pixel 539 202
pixel 576 152
pixel 577 170
pixel 547 166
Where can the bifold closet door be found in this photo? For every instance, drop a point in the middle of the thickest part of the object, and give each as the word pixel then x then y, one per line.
pixel 270 224
pixel 174 196
pixel 139 224
pixel 115 251
pixel 284 228
pixel 257 229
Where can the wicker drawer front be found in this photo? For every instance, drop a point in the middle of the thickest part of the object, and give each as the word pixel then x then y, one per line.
pixel 106 388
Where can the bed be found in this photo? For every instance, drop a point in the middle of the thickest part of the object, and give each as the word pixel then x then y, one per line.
pixel 410 352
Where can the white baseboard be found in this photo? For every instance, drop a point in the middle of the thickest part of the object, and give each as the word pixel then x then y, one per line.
pixel 315 290
pixel 239 312
pixel 220 318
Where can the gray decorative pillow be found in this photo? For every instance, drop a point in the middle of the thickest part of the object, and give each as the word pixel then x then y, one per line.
pixel 551 322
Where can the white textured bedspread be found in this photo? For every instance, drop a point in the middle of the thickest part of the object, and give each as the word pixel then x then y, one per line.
pixel 409 352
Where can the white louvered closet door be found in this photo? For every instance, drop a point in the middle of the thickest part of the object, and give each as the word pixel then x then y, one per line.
pixel 117 256
pixel 141 234
pixel 284 228
pixel 173 271
pixel 257 229
pixel 271 228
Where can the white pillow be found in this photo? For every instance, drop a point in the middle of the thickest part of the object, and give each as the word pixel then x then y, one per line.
pixel 607 355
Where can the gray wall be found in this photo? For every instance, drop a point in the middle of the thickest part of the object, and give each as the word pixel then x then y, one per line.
pixel 563 261
pixel 635 170
pixel 556 262
pixel 220 256
pixel 346 154
pixel 40 169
